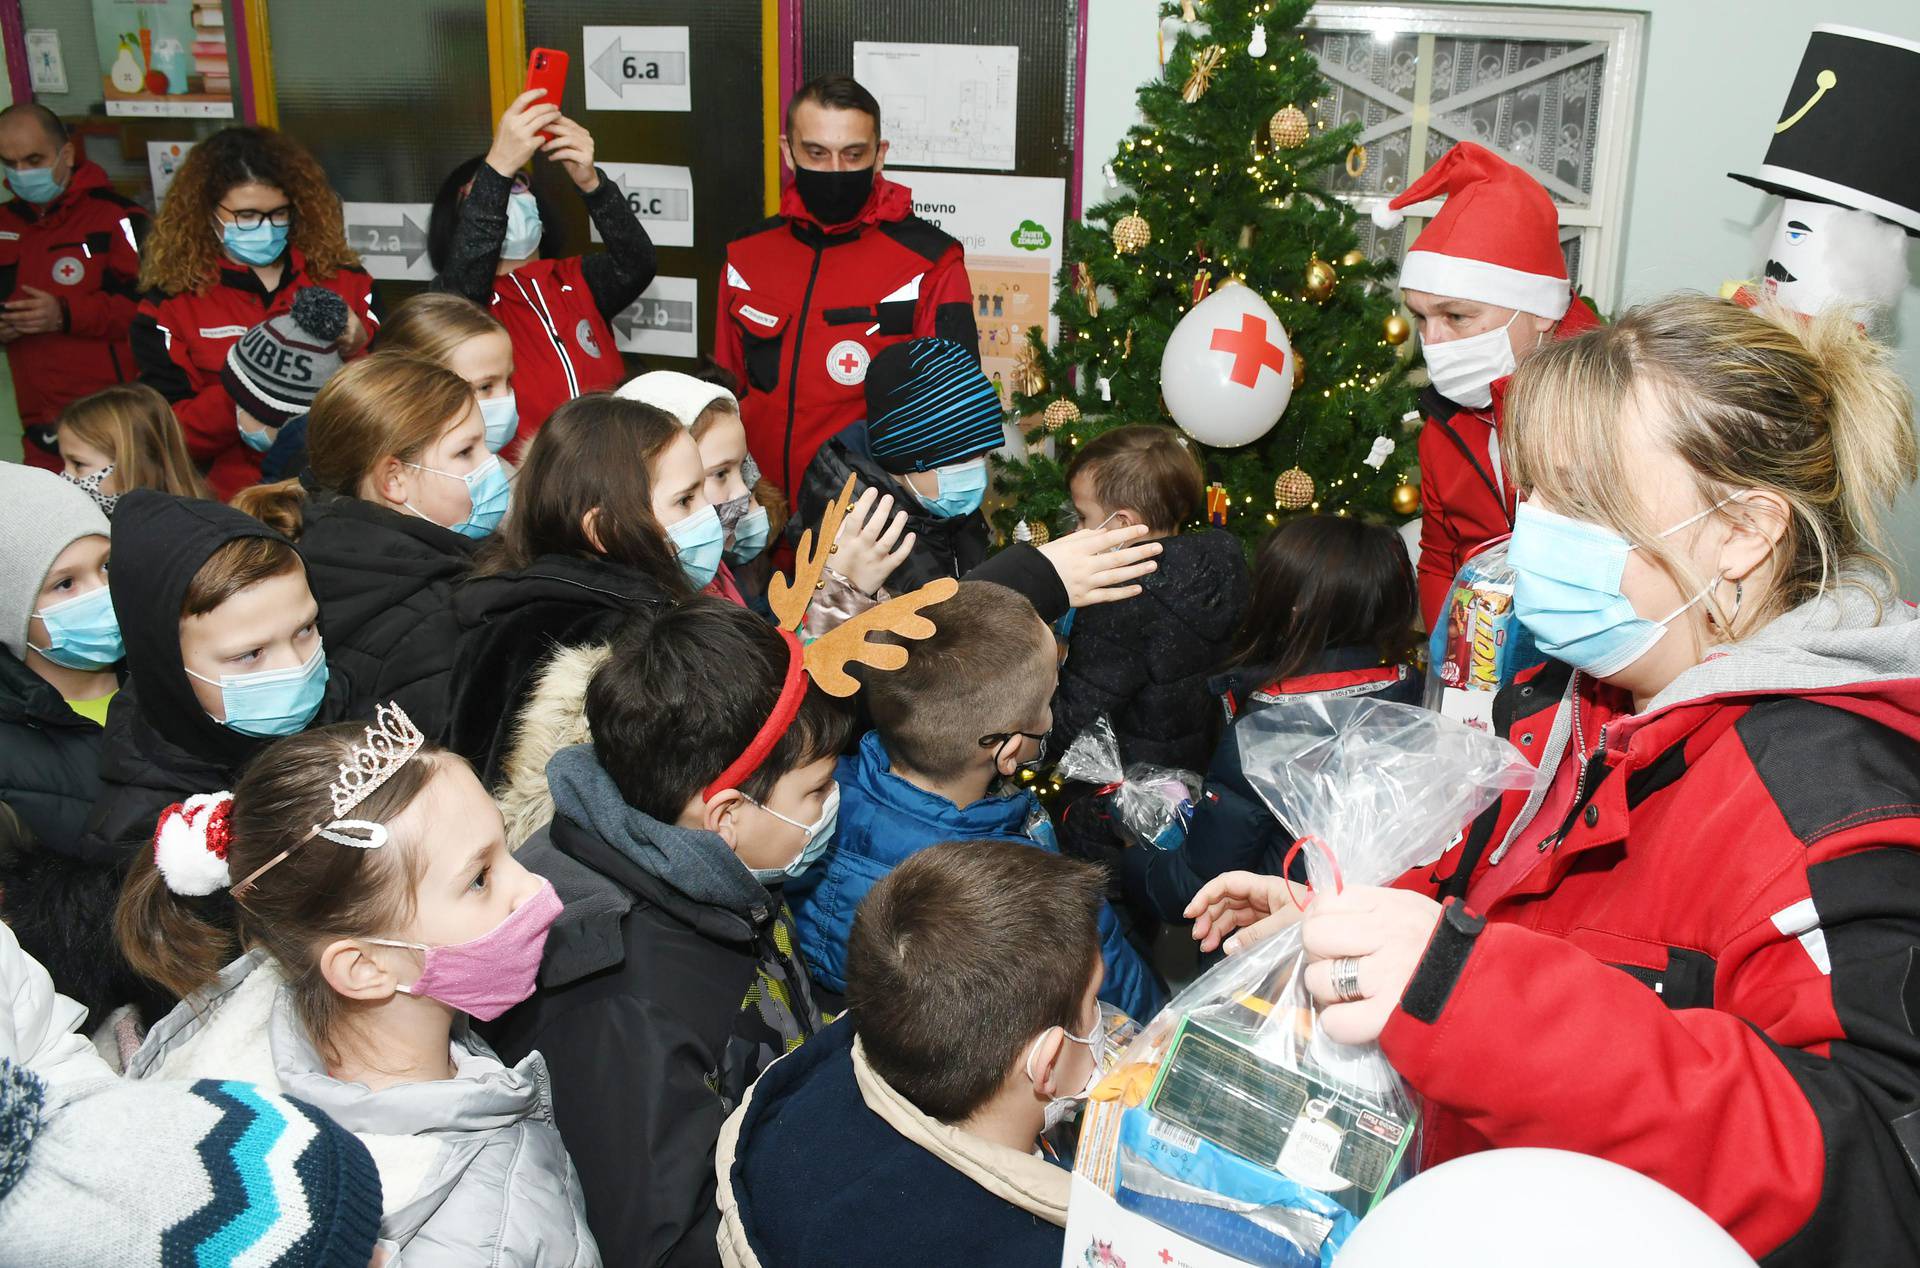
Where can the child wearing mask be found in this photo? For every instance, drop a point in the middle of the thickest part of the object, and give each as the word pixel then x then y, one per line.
pixel 126 437
pixel 274 371
pixel 969 711
pixel 673 980
pixel 247 224
pixel 610 518
pixel 739 493
pixel 932 418
pixel 374 909
pixel 224 655
pixel 1332 613
pixel 489 240
pixel 973 976
pixel 399 488
pixel 62 650
pixel 457 333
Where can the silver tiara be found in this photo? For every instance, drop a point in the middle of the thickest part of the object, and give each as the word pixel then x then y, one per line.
pixel 390 741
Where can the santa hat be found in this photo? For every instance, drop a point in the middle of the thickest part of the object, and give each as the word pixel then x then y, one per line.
pixel 1496 239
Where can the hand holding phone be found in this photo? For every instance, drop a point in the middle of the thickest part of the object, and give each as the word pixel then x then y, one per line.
pixel 547 68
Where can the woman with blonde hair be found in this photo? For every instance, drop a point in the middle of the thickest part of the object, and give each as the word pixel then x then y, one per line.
pixel 248 222
pixel 1691 948
pixel 457 333
pixel 398 489
pixel 126 437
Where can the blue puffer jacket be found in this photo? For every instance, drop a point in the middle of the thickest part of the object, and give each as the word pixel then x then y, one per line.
pixel 883 819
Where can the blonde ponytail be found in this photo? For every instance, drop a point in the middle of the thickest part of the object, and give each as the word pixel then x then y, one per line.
pixel 280 506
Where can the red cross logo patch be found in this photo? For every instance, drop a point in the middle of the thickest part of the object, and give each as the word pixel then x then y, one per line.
pixel 69 270
pixel 1250 348
pixel 847 362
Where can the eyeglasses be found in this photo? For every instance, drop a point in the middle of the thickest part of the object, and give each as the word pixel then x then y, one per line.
pixel 280 217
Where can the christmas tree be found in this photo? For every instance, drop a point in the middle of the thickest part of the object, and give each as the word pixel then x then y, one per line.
pixel 1223 182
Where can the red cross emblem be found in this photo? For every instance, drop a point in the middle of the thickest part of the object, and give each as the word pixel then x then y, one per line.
pixel 1166 1256
pixel 847 362
pixel 1250 349
pixel 68 270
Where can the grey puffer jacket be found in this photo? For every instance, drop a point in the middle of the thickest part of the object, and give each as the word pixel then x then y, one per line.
pixel 472 1170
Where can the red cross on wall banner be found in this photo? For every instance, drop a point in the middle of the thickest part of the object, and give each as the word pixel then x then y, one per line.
pixel 1227 371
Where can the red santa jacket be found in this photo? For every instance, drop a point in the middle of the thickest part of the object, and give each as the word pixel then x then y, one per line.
pixel 1466 499
pixel 562 346
pixel 80 248
pixel 181 341
pixel 802 311
pixel 1708 968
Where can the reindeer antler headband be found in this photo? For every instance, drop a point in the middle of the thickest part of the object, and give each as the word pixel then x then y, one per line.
pixel 825 660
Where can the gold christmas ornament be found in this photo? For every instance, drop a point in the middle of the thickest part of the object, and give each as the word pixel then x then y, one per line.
pixel 1029 374
pixel 1353 259
pixel 1357 161
pixel 1127 350
pixel 1084 283
pixel 1299 370
pixel 1396 329
pixel 1038 532
pixel 1405 500
pixel 1130 233
pixel 1059 413
pixel 1288 127
pixel 1200 78
pixel 1294 489
pixel 1320 281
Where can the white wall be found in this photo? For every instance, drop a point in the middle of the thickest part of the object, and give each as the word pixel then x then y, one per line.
pixel 1716 73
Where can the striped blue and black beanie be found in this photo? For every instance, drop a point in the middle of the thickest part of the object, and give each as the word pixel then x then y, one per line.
pixel 279 366
pixel 928 405
pixel 200 1174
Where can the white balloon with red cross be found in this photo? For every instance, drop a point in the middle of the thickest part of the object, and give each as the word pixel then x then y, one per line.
pixel 1227 372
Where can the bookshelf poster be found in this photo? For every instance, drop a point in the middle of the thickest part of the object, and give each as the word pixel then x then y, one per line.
pixel 164 58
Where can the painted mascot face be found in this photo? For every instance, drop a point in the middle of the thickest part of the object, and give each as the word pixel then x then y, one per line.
pixel 1798 271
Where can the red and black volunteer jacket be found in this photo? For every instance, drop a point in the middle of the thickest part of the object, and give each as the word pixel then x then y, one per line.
pixel 558 313
pixel 803 308
pixel 181 341
pixel 1706 967
pixel 1466 499
pixel 82 248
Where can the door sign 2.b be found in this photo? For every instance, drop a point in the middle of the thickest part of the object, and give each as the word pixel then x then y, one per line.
pixel 636 67
pixel 660 197
pixel 661 321
pixel 391 239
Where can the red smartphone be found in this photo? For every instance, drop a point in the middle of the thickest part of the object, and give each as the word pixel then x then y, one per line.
pixel 547 68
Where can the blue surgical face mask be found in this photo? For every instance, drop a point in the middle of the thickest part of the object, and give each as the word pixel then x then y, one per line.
pixel 82 632
pixel 258 441
pixel 35 184
pixel 262 244
pixel 273 702
pixel 501 414
pixel 962 486
pixel 522 239
pixel 1566 590
pixel 819 837
pixel 700 541
pixel 487 496
pixel 749 535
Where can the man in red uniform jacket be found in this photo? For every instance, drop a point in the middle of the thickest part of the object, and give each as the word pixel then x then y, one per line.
pixel 1487 283
pixel 843 271
pixel 70 270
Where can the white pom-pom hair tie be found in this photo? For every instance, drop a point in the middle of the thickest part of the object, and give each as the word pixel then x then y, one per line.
pixel 190 844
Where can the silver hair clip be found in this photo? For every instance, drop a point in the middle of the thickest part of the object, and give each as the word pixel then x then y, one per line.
pixel 390 742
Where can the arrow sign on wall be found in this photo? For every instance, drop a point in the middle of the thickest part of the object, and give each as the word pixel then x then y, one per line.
pixel 406 239
pixel 390 237
pixel 617 66
pixel 636 67
pixel 661 321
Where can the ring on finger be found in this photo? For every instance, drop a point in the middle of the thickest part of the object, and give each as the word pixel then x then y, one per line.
pixel 1346 980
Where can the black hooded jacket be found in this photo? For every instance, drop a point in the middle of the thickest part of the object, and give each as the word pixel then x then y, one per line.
pixel 49 755
pixel 1144 662
pixel 384 582
pixel 511 623
pixel 161 745
pixel 943 546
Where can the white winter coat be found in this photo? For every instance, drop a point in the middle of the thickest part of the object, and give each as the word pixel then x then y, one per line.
pixel 38 1025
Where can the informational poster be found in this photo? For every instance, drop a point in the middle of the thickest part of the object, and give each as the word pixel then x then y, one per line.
pixel 164 58
pixel 391 239
pixel 945 105
pixel 1010 227
pixel 636 67
pixel 163 160
pixel 662 321
pixel 660 197
pixel 46 68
